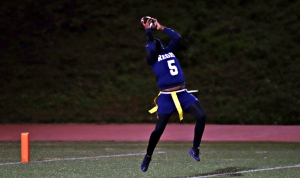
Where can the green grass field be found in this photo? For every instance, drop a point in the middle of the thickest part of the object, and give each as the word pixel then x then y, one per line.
pixel 122 159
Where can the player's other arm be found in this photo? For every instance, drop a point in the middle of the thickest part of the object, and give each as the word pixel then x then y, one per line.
pixel 150 48
pixel 175 39
pixel 150 45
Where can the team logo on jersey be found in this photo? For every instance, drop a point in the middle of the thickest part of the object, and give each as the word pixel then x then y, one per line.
pixel 165 56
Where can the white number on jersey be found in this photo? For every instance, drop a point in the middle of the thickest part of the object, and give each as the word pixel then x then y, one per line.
pixel 172 67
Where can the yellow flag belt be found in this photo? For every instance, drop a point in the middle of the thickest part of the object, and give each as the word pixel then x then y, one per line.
pixel 175 99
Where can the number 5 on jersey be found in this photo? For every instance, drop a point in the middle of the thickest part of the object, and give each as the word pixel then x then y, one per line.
pixel 172 67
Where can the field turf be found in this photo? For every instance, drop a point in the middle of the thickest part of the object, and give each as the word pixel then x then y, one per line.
pixel 171 159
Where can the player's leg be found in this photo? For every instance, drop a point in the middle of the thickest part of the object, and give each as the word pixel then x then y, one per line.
pixel 160 126
pixel 161 123
pixel 198 112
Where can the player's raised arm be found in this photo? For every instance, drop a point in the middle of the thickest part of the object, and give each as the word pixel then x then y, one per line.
pixel 175 39
pixel 148 24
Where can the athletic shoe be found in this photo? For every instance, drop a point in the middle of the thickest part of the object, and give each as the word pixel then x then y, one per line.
pixel 194 152
pixel 145 163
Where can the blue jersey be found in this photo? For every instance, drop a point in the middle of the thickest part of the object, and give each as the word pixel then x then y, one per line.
pixel 162 60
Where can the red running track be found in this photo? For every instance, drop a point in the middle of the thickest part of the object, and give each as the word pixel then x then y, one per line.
pixel 141 132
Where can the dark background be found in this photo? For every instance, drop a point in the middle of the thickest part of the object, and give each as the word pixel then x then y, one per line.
pixel 84 61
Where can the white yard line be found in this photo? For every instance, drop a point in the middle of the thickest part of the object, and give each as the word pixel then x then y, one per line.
pixel 161 152
pixel 252 170
pixel 80 158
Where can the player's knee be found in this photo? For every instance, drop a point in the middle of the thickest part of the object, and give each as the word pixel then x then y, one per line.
pixel 201 117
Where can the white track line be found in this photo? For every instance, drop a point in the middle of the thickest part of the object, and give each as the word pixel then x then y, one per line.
pixel 80 158
pixel 253 170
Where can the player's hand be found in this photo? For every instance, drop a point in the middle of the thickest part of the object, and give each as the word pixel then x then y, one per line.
pixel 158 25
pixel 146 23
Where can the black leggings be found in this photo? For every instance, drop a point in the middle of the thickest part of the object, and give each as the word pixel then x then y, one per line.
pixel 195 109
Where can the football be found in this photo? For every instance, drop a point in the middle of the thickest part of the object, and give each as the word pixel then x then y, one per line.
pixel 152 24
